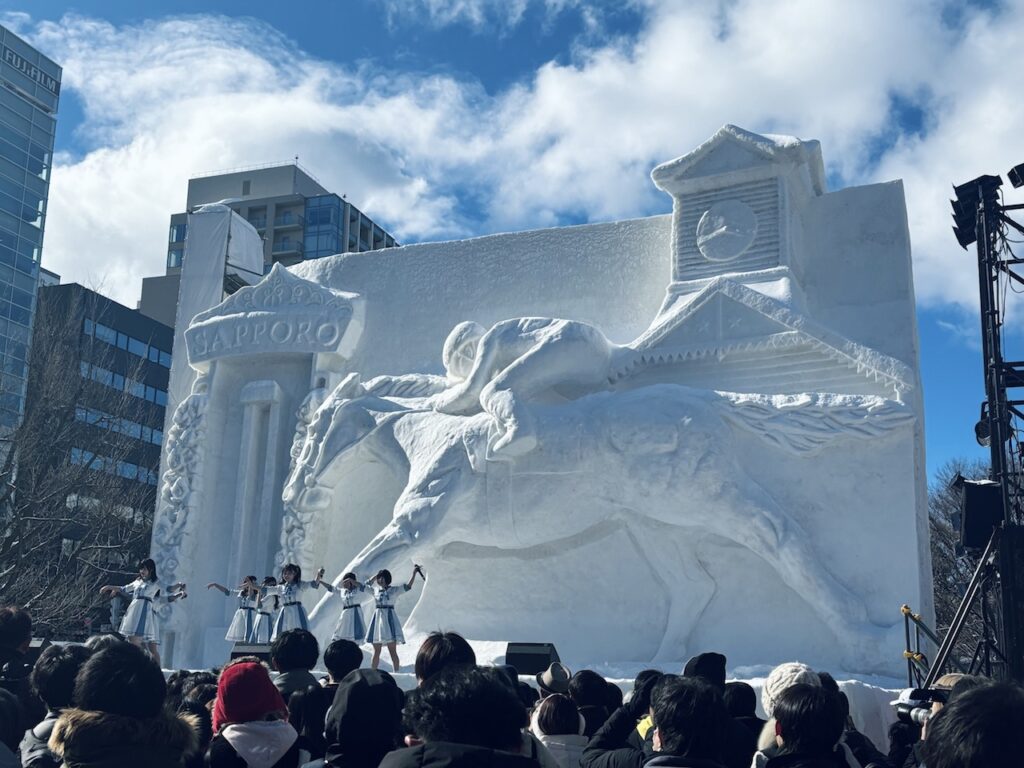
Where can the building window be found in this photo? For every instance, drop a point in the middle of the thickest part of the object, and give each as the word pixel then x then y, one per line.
pixel 178 233
pixel 246 187
pixel 174 257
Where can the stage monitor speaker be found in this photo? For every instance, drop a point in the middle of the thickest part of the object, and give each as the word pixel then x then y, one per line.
pixel 981 510
pixel 260 651
pixel 35 647
pixel 530 658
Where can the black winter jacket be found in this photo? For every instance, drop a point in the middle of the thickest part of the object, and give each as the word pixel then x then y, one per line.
pixel 35 748
pixel 442 754
pixel 835 760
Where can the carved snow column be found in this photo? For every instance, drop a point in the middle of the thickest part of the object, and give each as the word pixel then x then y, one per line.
pixel 261 352
pixel 258 462
pixel 737 202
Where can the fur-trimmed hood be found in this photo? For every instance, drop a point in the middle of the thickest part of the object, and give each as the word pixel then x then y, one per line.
pixel 87 739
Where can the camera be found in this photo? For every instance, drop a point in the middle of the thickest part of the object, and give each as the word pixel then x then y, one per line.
pixel 914 706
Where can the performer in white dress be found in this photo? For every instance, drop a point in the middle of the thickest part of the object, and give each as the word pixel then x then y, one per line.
pixel 350 624
pixel 268 603
pixel 140 624
pixel 385 626
pixel 293 614
pixel 244 620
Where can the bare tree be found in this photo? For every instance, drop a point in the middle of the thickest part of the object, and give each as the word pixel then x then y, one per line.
pixel 951 567
pixel 76 499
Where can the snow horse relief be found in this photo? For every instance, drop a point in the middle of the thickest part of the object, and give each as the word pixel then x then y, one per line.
pixel 742 472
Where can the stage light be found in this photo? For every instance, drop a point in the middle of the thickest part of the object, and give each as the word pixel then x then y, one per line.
pixel 1016 175
pixel 983 430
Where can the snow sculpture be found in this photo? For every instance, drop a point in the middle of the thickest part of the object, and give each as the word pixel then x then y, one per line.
pixel 181 485
pixel 506 412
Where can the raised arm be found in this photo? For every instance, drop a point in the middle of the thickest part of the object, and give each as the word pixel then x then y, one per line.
pixel 221 587
pixel 319 580
pixel 416 569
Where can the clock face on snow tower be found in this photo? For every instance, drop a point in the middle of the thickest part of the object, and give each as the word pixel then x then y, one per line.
pixel 726 230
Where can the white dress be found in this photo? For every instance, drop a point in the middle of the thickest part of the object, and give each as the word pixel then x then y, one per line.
pixel 244 620
pixel 385 626
pixel 293 614
pixel 140 619
pixel 350 624
pixel 266 613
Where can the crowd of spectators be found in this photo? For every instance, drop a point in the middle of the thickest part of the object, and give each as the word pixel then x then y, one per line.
pixel 107 704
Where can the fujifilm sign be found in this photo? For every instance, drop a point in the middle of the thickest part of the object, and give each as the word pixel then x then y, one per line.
pixel 30 70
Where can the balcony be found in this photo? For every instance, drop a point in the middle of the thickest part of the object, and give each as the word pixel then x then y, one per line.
pixel 259 222
pixel 288 220
pixel 287 247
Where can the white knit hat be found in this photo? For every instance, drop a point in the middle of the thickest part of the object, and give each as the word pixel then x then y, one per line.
pixel 783 677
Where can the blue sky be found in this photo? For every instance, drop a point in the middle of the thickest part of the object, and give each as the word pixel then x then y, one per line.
pixel 450 118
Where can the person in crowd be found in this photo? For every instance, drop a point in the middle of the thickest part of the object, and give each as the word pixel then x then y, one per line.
pixel 53 680
pixel 462 717
pixel 351 625
pixel 196 680
pixel 527 694
pixel 440 651
pixel 953 684
pixel 250 723
pixel 140 624
pixel 778 680
pixel 385 626
pixel 10 729
pixel 340 658
pixel 293 613
pixel 104 640
pixel 203 694
pixel 690 726
pixel 307 711
pixel 292 655
pixel 365 721
pixel 617 744
pixel 739 745
pixel 981 726
pixel 615 697
pixel 243 623
pixel 15 637
pixel 119 718
pixel 589 692
pixel 559 725
pixel 864 751
pixel 198 708
pixel 268 604
pixel 15 668
pixel 181 681
pixel 638 737
pixel 809 722
pixel 554 679
pixel 741 703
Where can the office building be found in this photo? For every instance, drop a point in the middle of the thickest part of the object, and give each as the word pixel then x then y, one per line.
pixel 28 108
pixel 117 363
pixel 296 216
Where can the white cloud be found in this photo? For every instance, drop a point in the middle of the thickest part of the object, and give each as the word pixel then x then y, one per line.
pixel 478 14
pixel 435 156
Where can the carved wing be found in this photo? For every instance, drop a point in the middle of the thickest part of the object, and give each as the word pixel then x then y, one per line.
pixel 406 385
pixel 805 423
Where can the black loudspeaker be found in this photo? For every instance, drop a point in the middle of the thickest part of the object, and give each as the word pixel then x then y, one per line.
pixel 981 510
pixel 530 658
pixel 261 652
